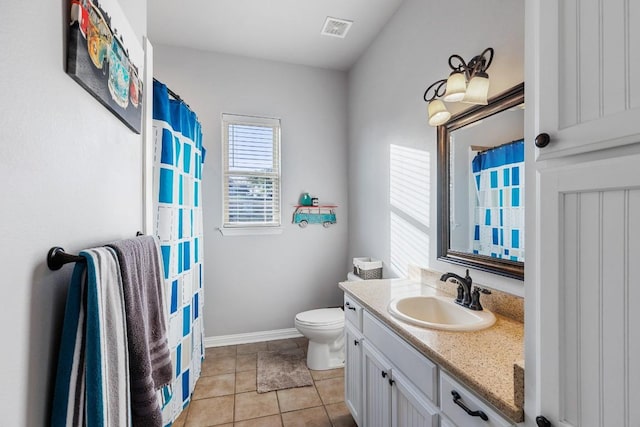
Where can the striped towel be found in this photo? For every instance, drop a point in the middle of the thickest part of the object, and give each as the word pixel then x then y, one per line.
pixel 149 356
pixel 92 382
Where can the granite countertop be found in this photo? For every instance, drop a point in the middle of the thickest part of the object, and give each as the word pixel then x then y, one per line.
pixel 483 360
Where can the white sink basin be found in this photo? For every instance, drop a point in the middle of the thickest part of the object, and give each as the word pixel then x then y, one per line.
pixel 439 313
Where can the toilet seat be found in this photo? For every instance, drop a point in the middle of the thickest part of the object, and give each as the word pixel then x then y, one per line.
pixel 322 317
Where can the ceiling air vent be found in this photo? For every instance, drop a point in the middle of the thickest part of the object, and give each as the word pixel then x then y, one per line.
pixel 335 27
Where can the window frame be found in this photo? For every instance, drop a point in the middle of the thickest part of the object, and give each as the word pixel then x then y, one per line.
pixel 231 229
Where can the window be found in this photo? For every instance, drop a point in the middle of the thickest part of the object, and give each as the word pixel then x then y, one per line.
pixel 251 168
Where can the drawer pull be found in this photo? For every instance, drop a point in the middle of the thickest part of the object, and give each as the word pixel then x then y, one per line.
pixel 349 306
pixel 457 399
pixel 542 421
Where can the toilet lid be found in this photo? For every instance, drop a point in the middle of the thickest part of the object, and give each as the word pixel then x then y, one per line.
pixel 321 317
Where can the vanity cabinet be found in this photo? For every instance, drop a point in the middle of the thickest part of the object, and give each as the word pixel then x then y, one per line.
pixel 390 383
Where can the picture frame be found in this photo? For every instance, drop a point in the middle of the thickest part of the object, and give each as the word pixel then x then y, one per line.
pixel 105 57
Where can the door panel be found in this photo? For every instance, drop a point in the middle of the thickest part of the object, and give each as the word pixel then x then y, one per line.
pixel 589 74
pixel 588 338
pixel 376 389
pixel 409 407
pixel 353 373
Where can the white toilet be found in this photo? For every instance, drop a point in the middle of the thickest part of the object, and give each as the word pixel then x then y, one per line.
pixel 324 327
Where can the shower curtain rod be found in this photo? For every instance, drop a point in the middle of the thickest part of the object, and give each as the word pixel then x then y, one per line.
pixel 482 148
pixel 173 94
pixel 57 257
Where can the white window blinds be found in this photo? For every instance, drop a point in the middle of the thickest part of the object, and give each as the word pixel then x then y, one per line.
pixel 251 182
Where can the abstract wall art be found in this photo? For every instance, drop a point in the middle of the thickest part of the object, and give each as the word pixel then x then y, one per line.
pixel 105 57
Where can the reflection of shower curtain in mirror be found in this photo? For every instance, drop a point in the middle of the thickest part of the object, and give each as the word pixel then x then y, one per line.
pixel 499 213
pixel 178 157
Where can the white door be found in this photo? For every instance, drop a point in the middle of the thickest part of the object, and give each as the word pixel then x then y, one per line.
pixel 353 373
pixel 590 288
pixel 586 63
pixel 376 375
pixel 409 407
pixel 583 278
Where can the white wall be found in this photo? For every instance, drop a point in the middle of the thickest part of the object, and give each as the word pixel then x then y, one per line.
pixel 71 176
pixel 392 149
pixel 259 283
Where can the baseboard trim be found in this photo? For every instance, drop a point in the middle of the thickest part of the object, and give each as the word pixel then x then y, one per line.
pixel 251 337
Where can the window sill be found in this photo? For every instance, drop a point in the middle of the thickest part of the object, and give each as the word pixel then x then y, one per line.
pixel 250 231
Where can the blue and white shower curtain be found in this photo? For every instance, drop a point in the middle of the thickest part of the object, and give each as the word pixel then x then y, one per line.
pixel 178 159
pixel 499 212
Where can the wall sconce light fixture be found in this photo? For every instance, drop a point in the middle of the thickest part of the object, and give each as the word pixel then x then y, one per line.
pixel 468 83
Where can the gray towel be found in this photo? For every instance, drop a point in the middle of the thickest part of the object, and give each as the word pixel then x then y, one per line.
pixel 149 356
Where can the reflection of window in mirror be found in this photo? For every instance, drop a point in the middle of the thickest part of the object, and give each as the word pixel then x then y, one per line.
pixel 486 163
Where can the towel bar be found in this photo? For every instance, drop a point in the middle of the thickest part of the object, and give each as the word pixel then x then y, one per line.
pixel 57 257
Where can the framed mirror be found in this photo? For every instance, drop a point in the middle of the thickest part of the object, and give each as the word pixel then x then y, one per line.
pixel 481 186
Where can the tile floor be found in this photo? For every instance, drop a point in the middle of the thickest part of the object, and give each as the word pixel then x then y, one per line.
pixel 225 395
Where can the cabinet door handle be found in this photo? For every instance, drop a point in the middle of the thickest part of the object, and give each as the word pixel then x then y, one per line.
pixel 542 421
pixel 384 374
pixel 542 140
pixel 356 342
pixel 457 399
pixel 391 382
pixel 349 306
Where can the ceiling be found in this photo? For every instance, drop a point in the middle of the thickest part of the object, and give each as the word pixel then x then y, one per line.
pixel 279 30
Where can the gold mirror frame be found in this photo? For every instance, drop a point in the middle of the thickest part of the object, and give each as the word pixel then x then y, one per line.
pixel 501 102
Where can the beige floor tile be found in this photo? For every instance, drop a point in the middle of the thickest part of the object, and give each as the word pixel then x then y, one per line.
pixel 246 381
pixel 298 398
pixel 340 416
pixel 331 390
pixel 246 362
pixel 330 373
pixel 311 417
pixel 214 386
pixel 210 412
pixel 272 421
pixel 281 345
pixel 253 405
pixel 227 350
pixel 251 348
pixel 218 365
pixel 179 422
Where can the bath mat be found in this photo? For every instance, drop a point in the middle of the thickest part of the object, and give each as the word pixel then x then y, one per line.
pixel 278 370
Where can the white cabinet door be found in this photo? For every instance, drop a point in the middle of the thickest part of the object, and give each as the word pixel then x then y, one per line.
pixel 589 290
pixel 376 373
pixel 583 89
pixel 353 373
pixel 586 57
pixel 409 408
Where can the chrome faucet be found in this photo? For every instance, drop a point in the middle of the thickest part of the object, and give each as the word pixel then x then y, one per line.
pixel 464 287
